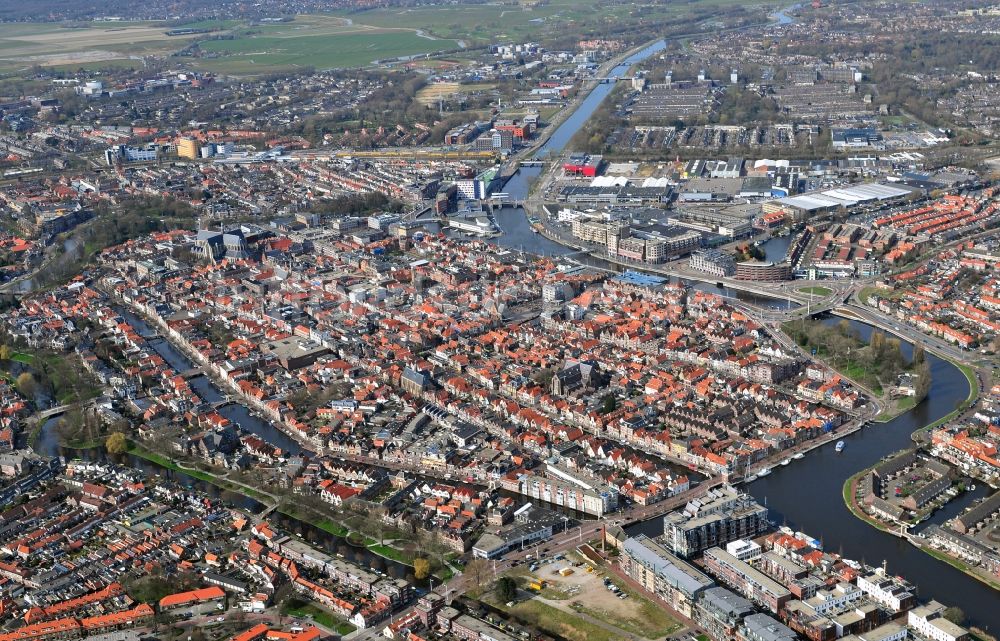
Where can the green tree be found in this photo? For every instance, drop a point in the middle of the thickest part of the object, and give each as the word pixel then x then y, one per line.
pixel 116 443
pixel 506 589
pixel 610 404
pixel 923 386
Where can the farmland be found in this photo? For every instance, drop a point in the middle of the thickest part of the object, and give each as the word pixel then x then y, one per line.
pixel 482 24
pixel 337 40
pixel 309 41
pixel 289 50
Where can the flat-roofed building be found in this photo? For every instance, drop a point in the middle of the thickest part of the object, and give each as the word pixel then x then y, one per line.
pixel 295 352
pixel 763 272
pixel 748 581
pixel 893 593
pixel 660 572
pixel 721 611
pixel 714 262
pixel 760 627
pixel 929 622
pixel 889 632
pixel 721 516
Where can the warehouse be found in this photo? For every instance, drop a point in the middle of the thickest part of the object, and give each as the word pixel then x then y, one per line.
pixel 824 202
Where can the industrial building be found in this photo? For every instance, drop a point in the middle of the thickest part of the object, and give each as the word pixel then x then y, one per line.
pixel 801 207
pixel 584 165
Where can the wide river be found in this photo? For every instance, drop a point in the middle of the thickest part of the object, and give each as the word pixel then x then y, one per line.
pixel 807 494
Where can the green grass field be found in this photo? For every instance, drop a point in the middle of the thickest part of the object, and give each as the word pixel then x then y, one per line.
pixel 816 290
pixel 557 622
pixel 480 24
pixel 341 39
pixel 299 608
pixel 265 54
pixel 88 45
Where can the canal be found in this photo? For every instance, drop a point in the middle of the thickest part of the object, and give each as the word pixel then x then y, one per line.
pixel 807 496
pixel 236 412
pixel 47 444
pixel 565 132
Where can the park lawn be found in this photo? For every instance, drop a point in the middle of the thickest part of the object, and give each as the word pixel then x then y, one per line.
pixel 327 525
pixel 69 380
pixel 536 614
pixel 21 357
pixel 974 390
pixel 390 552
pixel 140 451
pixel 852 369
pixel 299 608
pixel 897 407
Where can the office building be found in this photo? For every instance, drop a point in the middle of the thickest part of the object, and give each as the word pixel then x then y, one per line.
pixel 763 272
pixel 714 262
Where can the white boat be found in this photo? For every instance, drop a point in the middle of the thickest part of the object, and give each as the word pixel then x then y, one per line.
pixel 798 456
pixel 840 446
pixel 751 478
pixel 764 472
pixel 972 487
pixel 786 461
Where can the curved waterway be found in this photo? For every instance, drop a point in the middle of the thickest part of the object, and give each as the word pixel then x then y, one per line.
pixel 236 412
pixel 47 444
pixel 807 495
